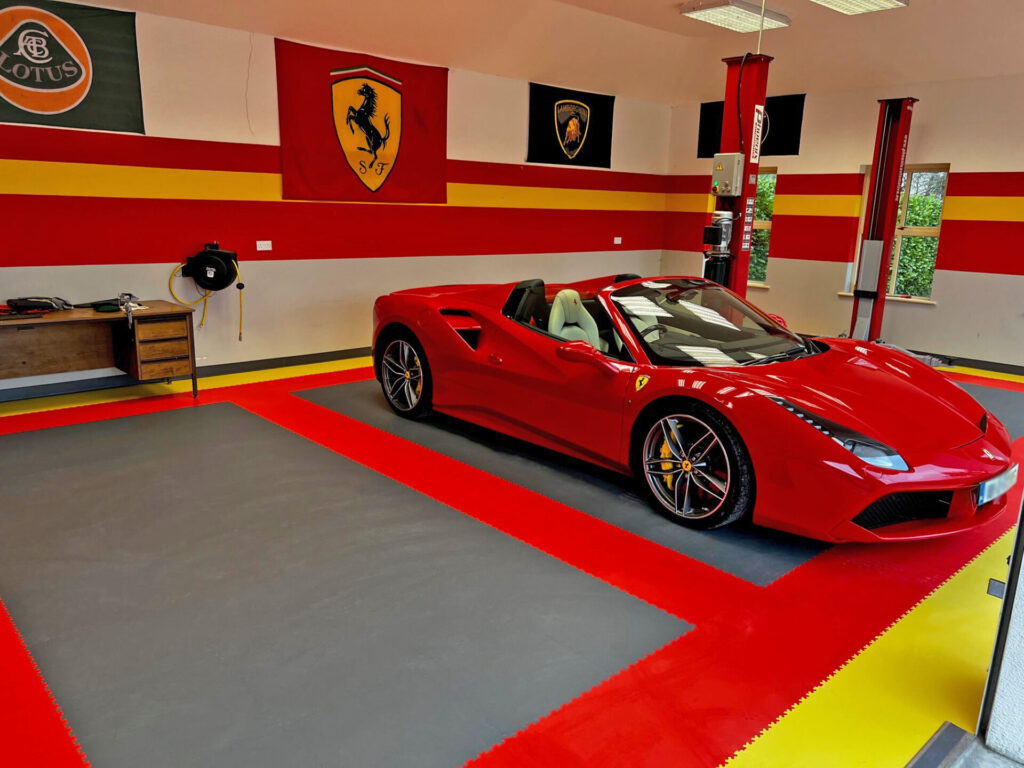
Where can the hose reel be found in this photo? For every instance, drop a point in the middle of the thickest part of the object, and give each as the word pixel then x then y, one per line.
pixel 212 270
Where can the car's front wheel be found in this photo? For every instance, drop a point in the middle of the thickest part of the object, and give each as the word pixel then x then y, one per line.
pixel 695 467
pixel 405 377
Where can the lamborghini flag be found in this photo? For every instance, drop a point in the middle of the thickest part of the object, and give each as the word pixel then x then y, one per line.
pixel 356 127
pixel 570 127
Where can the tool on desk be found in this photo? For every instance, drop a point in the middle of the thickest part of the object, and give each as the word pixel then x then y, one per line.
pixel 30 303
pixel 213 270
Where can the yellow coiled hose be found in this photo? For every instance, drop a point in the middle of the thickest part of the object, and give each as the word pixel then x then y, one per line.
pixel 205 298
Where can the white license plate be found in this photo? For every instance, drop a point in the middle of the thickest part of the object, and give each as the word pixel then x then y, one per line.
pixel 992 489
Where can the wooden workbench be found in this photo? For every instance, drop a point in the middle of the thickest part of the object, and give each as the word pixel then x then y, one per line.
pixel 159 345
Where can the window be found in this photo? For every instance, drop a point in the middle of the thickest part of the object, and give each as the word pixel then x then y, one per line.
pixel 762 234
pixel 917 230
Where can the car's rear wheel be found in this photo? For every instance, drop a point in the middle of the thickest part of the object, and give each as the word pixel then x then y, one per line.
pixel 695 467
pixel 405 377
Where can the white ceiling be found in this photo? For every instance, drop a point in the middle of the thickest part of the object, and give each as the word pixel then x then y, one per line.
pixel 642 48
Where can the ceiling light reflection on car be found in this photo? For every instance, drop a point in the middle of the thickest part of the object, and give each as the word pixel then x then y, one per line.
pixel 641 306
pixel 708 315
pixel 707 355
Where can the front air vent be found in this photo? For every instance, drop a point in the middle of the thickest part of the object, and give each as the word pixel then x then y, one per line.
pixel 904 508
pixel 455 313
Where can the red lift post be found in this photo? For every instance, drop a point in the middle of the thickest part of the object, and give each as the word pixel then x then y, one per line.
pixel 883 205
pixel 746 84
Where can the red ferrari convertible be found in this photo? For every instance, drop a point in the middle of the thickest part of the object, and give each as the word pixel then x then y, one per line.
pixel 717 408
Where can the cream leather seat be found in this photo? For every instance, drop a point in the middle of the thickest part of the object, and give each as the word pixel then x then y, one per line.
pixel 570 320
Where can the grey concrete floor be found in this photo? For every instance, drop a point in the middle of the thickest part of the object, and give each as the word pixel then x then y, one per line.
pixel 203 588
pixel 1007 405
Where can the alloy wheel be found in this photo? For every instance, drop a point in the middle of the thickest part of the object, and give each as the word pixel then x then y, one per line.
pixel 402 375
pixel 687 466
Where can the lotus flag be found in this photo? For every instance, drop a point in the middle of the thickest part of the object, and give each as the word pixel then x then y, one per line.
pixel 357 127
pixel 69 65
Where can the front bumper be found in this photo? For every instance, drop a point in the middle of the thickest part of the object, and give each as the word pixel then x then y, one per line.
pixel 822 497
pixel 964 513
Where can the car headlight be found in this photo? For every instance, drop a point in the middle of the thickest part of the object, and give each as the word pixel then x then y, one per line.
pixel 865 448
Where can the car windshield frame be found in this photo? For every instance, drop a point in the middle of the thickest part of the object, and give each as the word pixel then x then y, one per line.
pixel 719 329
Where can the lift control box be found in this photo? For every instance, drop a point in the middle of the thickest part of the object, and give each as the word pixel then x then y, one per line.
pixel 727 175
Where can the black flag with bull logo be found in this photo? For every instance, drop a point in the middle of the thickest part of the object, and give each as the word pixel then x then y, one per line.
pixel 570 127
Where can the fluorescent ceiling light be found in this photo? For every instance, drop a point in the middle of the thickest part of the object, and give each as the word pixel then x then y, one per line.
pixel 737 15
pixel 851 7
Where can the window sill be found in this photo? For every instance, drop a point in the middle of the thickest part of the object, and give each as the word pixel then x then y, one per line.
pixel 759 286
pixel 904 299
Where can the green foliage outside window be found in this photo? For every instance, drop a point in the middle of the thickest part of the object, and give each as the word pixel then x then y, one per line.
pixel 764 204
pixel 916 264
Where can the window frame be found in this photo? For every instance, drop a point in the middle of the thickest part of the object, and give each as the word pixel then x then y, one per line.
pixel 902 230
pixel 761 224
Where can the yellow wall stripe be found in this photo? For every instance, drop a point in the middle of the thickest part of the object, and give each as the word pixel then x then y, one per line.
pixel 690 203
pixel 31 177
pixel 968 208
pixel 882 707
pixel 817 205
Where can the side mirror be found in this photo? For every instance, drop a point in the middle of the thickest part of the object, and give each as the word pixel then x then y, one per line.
pixel 779 319
pixel 578 352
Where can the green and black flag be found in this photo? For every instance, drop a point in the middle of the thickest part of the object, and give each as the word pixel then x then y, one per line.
pixel 570 127
pixel 69 65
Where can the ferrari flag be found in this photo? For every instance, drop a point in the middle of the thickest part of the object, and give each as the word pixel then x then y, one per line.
pixel 356 127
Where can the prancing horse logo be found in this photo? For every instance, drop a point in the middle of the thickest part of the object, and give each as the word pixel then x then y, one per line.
pixel 368 121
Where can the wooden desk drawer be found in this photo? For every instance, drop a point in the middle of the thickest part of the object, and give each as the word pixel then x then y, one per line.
pixel 164 369
pixel 163 350
pixel 148 330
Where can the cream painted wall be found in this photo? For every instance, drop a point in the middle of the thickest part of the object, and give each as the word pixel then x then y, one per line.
pixel 308 306
pixel 219 84
pixel 976 316
pixel 203 82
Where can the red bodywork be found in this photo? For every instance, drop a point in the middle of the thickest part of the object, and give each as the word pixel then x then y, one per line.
pixel 524 382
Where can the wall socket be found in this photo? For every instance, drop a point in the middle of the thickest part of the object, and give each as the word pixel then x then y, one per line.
pixel 264 245
pixel 617 241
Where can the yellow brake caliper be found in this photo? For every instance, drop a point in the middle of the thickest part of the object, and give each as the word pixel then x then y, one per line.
pixel 666 453
pixel 419 384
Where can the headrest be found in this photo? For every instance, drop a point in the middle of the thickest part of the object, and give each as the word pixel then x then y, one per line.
pixel 571 305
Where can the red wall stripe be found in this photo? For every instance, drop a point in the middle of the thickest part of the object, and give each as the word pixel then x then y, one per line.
pixel 986 184
pixel 820 184
pixel 130 231
pixel 22 142
pixel 814 238
pixel 981 246
pixel 684 231
pixel 690 185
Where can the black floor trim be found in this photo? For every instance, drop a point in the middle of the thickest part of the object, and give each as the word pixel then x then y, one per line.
pixel 113 382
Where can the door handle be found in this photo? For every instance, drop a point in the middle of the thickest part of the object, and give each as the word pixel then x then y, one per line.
pixel 496 359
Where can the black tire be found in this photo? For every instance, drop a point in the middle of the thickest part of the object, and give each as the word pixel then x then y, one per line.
pixel 397 393
pixel 661 488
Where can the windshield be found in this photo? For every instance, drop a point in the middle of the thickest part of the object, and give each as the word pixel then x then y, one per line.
pixel 686 322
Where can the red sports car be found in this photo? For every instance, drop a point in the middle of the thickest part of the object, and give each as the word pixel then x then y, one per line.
pixel 718 409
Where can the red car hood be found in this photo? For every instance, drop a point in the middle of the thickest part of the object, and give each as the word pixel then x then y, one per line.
pixel 879 392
